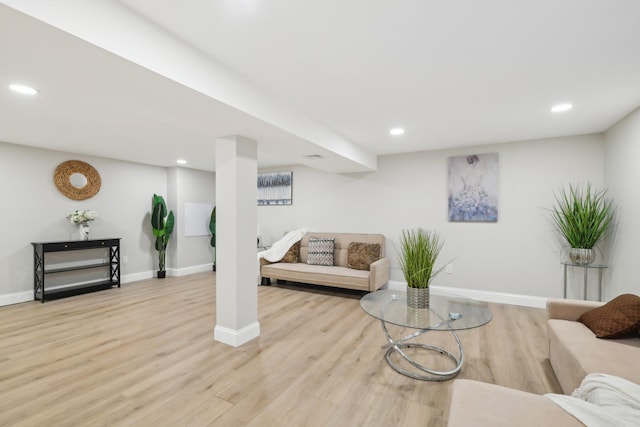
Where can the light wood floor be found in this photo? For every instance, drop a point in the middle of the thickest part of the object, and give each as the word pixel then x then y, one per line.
pixel 145 355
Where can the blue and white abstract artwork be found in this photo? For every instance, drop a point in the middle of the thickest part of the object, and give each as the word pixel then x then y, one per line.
pixel 473 188
pixel 274 188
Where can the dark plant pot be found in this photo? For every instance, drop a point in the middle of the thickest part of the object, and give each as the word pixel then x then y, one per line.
pixel 162 274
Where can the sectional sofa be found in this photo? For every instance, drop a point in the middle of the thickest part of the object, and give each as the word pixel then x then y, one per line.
pixel 574 352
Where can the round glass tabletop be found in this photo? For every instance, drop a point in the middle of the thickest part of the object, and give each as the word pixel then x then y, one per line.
pixel 444 312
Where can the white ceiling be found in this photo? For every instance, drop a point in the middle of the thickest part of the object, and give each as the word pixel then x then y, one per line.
pixel 456 73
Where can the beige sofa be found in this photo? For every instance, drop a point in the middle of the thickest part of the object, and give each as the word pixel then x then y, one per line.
pixel 574 352
pixel 337 275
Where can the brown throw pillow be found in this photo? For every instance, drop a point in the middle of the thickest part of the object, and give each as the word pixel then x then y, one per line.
pixel 292 254
pixel 360 256
pixel 616 319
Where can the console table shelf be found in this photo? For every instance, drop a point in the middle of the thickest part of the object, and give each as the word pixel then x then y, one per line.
pixel 41 270
pixel 79 267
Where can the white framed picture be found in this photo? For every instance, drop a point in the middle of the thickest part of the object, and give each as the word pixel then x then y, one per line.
pixel 473 188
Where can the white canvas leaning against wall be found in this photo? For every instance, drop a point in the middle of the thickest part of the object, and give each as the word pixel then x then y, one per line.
pixel 473 188
pixel 275 188
pixel 196 219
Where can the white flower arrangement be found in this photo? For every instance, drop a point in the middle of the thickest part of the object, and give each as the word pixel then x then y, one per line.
pixel 79 217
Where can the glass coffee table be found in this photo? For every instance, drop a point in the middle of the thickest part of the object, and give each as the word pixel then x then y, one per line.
pixel 445 313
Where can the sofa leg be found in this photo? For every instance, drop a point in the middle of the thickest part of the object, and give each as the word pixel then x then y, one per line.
pixel 265 281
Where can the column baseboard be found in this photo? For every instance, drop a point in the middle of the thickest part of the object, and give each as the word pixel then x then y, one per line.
pixel 236 338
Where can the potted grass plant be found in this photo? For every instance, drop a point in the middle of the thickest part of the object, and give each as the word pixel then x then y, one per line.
pixel 419 250
pixel 581 216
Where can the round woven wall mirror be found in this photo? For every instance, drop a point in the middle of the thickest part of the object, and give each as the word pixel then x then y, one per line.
pixel 77 180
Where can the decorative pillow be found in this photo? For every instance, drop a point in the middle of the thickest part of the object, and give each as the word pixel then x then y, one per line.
pixel 617 318
pixel 361 255
pixel 292 254
pixel 320 251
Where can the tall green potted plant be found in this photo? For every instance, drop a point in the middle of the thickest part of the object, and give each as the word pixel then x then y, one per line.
pixel 419 250
pixel 582 215
pixel 212 229
pixel 162 224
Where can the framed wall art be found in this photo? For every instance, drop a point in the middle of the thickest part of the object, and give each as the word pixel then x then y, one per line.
pixel 275 188
pixel 473 188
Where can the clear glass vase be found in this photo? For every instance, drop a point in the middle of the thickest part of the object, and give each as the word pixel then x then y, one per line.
pixel 84 231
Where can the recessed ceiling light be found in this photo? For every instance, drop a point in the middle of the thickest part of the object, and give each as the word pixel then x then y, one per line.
pixel 25 90
pixel 313 156
pixel 181 162
pixel 561 107
pixel 396 131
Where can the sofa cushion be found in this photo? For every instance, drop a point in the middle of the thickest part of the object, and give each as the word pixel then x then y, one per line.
pixel 618 318
pixel 319 274
pixel 320 251
pixel 361 255
pixel 292 254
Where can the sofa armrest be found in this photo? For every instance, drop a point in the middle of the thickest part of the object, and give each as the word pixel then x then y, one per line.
pixel 379 274
pixel 264 262
pixel 569 309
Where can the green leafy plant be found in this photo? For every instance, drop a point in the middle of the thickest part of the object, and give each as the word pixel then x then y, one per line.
pixel 582 215
pixel 162 224
pixel 212 229
pixel 419 250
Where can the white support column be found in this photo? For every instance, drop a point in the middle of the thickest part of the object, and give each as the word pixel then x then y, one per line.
pixel 236 218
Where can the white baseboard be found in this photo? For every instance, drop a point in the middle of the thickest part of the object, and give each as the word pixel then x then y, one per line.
pixel 176 272
pixel 236 338
pixel 16 298
pixel 134 277
pixel 171 272
pixel 488 296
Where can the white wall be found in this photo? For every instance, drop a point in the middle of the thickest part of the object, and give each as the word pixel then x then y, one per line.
pixel 34 210
pixel 192 186
pixel 171 198
pixel 622 173
pixel 519 254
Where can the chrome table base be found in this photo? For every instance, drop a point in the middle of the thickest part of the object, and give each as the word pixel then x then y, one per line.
pixel 421 372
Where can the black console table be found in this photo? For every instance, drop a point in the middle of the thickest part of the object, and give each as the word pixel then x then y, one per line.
pixel 41 270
